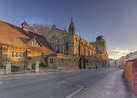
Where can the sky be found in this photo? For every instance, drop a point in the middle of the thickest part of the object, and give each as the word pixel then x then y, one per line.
pixel 116 20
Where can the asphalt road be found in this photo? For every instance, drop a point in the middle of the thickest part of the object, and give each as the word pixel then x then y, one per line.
pixel 50 85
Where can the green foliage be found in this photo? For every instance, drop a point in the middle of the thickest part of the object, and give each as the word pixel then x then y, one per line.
pixel 42 65
pixel 14 68
pixel 2 67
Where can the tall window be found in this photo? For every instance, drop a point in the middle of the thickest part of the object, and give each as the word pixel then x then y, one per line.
pixel 57 48
pixel 66 45
pixel 55 43
pixel 54 40
pixel 16 54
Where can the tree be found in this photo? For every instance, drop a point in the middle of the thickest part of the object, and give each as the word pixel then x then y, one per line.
pixel 41 29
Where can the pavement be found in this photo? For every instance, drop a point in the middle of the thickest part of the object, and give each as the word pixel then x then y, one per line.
pixel 111 86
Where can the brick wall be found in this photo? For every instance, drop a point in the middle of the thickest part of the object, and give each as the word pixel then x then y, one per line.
pixel 130 71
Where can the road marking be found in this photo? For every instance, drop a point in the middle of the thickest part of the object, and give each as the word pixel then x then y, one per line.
pixel 0 82
pixel 81 88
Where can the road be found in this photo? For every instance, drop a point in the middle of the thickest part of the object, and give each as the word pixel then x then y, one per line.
pixel 50 85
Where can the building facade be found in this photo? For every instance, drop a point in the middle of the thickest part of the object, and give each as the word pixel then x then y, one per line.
pixel 70 44
pixel 21 46
pixel 60 49
pixel 131 56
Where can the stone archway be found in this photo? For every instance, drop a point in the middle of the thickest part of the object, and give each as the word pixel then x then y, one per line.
pixel 80 63
pixel 84 63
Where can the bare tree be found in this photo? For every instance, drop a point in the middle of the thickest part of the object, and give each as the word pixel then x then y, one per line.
pixel 41 29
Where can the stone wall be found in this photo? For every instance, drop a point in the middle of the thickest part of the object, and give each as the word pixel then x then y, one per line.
pixel 2 71
pixel 61 61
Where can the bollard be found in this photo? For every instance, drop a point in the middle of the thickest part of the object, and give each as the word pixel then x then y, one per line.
pixel 37 66
pixel 8 67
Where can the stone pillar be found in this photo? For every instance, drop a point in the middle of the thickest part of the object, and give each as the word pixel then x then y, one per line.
pixel 37 66
pixel 8 67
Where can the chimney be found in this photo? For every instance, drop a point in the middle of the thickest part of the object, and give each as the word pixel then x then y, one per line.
pixel 25 26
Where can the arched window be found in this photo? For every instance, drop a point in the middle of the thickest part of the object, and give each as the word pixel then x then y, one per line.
pixel 55 43
pixel 54 40
pixel 66 45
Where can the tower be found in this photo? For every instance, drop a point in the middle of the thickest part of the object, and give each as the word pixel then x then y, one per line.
pixel 72 29
pixel 101 44
pixel 25 26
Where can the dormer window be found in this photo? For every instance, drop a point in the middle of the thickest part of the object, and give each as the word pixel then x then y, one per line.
pixel 35 43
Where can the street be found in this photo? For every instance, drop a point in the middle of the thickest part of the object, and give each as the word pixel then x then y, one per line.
pixel 51 85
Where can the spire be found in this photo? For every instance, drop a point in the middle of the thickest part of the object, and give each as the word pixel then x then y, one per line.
pixel 25 26
pixel 72 29
pixel 71 19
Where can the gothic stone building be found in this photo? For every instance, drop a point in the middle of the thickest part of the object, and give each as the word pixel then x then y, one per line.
pixel 72 51
pixel 60 49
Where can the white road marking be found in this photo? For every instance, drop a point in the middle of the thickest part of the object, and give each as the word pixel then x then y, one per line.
pixel 69 96
pixel 0 82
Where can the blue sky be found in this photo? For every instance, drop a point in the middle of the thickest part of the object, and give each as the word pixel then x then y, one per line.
pixel 116 20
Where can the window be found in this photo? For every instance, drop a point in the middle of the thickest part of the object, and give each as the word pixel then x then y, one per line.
pixel 17 54
pixel 55 43
pixel 62 60
pixel 12 54
pixel 4 51
pixel 51 60
pixel 54 40
pixel 66 45
pixel 57 48
pixel 34 42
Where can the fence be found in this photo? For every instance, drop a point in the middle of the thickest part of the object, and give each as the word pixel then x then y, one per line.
pixel 130 71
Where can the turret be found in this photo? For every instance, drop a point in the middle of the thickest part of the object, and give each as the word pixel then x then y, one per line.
pixel 72 29
pixel 25 26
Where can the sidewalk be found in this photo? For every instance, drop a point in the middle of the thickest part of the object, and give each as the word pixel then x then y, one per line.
pixel 112 86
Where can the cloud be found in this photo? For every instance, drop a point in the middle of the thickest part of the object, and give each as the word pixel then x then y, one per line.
pixel 117 53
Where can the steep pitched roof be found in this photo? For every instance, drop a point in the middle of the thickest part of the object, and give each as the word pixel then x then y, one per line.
pixel 13 35
pixel 36 40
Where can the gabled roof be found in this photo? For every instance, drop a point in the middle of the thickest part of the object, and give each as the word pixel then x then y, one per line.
pixel 15 36
pixel 33 39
